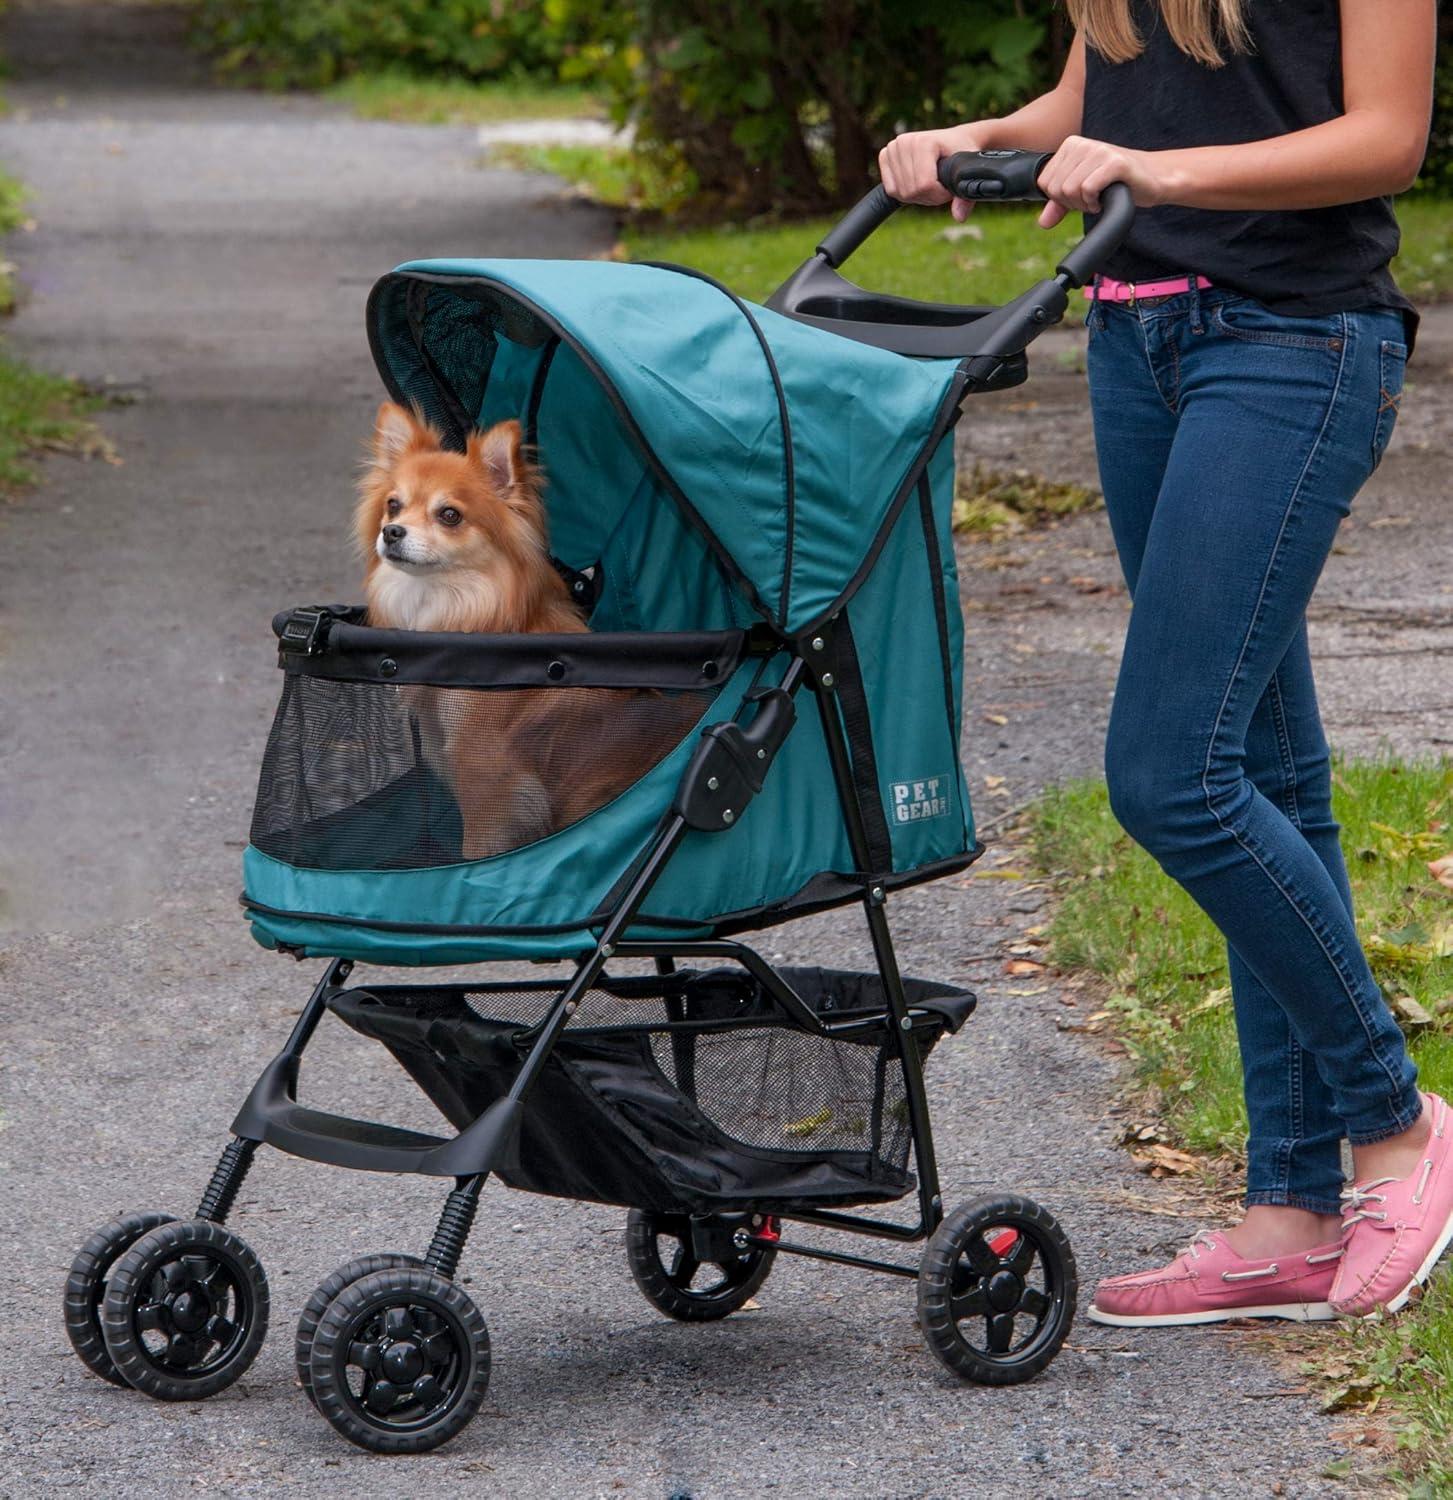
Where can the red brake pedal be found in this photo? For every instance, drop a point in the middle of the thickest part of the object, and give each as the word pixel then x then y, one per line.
pixel 1003 1242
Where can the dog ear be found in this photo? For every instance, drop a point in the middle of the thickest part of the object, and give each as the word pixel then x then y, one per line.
pixel 395 431
pixel 501 452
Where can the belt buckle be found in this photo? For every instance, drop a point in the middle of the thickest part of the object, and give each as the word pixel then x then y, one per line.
pixel 1130 300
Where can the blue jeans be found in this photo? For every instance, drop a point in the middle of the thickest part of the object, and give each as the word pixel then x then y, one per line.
pixel 1231 442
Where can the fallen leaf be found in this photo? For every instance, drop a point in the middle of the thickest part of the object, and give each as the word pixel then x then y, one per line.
pixel 1392 521
pixel 1164 1161
pixel 992 781
pixel 1411 1015
pixel 1019 966
pixel 996 718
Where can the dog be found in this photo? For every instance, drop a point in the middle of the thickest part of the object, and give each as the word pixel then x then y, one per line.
pixel 459 542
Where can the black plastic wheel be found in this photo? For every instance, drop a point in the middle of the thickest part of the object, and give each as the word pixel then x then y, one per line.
pixel 86 1288
pixel 673 1279
pixel 327 1289
pixel 185 1311
pixel 996 1290
pixel 400 1360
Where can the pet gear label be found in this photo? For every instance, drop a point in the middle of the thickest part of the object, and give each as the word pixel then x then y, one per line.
pixel 913 801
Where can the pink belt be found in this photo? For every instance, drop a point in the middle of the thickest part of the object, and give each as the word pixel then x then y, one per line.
pixel 1107 289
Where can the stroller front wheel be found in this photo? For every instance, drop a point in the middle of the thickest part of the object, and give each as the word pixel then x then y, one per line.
pixel 996 1290
pixel 674 1279
pixel 185 1311
pixel 327 1289
pixel 400 1360
pixel 86 1288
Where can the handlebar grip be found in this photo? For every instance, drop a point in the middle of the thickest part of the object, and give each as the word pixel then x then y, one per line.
pixel 1005 176
pixel 856 225
pixel 1117 214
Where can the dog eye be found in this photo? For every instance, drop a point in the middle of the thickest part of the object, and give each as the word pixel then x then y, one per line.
pixel 449 516
pixel 395 505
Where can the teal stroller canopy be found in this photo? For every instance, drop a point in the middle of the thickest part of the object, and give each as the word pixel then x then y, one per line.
pixel 711 466
pixel 787 448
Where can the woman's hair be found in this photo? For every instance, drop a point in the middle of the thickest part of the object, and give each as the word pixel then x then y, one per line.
pixel 1200 28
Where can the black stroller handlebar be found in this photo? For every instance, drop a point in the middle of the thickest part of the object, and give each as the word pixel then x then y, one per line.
pixel 816 294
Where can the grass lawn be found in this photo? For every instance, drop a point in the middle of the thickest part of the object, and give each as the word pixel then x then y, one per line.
pixel 453 101
pixel 1167 999
pixel 38 412
pixel 1003 252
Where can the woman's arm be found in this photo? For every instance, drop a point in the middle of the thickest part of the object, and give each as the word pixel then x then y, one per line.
pixel 909 163
pixel 1376 146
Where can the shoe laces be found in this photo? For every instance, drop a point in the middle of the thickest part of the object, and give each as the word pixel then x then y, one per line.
pixel 1198 1240
pixel 1356 1198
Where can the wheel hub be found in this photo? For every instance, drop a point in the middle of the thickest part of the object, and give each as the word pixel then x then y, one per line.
pixel 189 1310
pixel 1005 1290
pixel 402 1362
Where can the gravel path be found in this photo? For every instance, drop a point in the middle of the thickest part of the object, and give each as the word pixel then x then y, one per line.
pixel 209 253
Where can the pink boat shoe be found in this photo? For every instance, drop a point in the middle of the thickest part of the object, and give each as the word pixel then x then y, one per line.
pixel 1396 1228
pixel 1208 1282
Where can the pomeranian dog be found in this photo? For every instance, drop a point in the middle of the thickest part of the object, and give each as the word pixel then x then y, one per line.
pixel 459 542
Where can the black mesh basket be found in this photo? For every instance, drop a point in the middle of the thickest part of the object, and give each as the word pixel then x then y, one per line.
pixel 690 1092
pixel 404 749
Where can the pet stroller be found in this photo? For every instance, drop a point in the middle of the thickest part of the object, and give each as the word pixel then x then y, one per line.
pixel 753 507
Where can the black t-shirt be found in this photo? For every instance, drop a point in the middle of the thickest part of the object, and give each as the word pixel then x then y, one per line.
pixel 1306 261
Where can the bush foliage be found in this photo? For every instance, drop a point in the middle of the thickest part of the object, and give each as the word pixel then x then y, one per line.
pixel 756 105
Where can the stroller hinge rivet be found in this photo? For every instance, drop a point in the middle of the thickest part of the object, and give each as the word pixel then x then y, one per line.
pixel 606 950
pixel 727 815
pixel 761 755
pixel 877 894
pixel 907 1023
pixel 818 643
pixel 712 783
pixel 827 679
pixel 571 1008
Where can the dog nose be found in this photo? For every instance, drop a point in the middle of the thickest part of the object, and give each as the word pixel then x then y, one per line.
pixel 393 532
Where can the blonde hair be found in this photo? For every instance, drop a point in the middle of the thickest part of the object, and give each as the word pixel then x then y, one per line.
pixel 1200 28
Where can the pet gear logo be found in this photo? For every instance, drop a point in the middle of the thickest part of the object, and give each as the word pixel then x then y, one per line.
pixel 913 801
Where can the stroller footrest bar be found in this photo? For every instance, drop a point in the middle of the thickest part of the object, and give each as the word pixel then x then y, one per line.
pixel 273 1116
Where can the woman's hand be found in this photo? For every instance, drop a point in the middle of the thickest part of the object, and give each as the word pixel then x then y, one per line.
pixel 1081 170
pixel 909 165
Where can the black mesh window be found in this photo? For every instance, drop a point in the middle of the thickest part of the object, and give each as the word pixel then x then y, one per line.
pixel 372 775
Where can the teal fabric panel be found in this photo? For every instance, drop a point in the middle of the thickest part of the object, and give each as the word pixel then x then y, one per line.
pixel 691 371
pixel 417 950
pixel 895 630
pixel 789 834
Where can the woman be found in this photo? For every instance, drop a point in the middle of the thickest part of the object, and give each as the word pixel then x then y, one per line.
pixel 1246 361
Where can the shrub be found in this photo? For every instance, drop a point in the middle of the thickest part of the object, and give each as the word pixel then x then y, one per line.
pixel 311 43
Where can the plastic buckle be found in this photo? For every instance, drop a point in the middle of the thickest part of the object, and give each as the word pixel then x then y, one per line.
pixel 306 631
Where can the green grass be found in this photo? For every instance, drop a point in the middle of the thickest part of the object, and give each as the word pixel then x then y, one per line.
pixel 454 101
pixel 1003 252
pixel 991 503
pixel 1164 970
pixel 40 413
pixel 1164 963
pixel 1424 269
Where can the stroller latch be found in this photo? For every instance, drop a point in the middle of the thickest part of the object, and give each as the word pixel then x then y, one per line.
pixel 731 762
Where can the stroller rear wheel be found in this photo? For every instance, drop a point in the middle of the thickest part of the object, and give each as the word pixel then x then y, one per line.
pixel 185 1311
pixel 327 1289
pixel 400 1360
pixel 86 1288
pixel 996 1290
pixel 673 1277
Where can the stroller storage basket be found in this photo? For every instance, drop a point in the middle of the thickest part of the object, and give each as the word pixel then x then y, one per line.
pixel 685 1092
pixel 405 749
